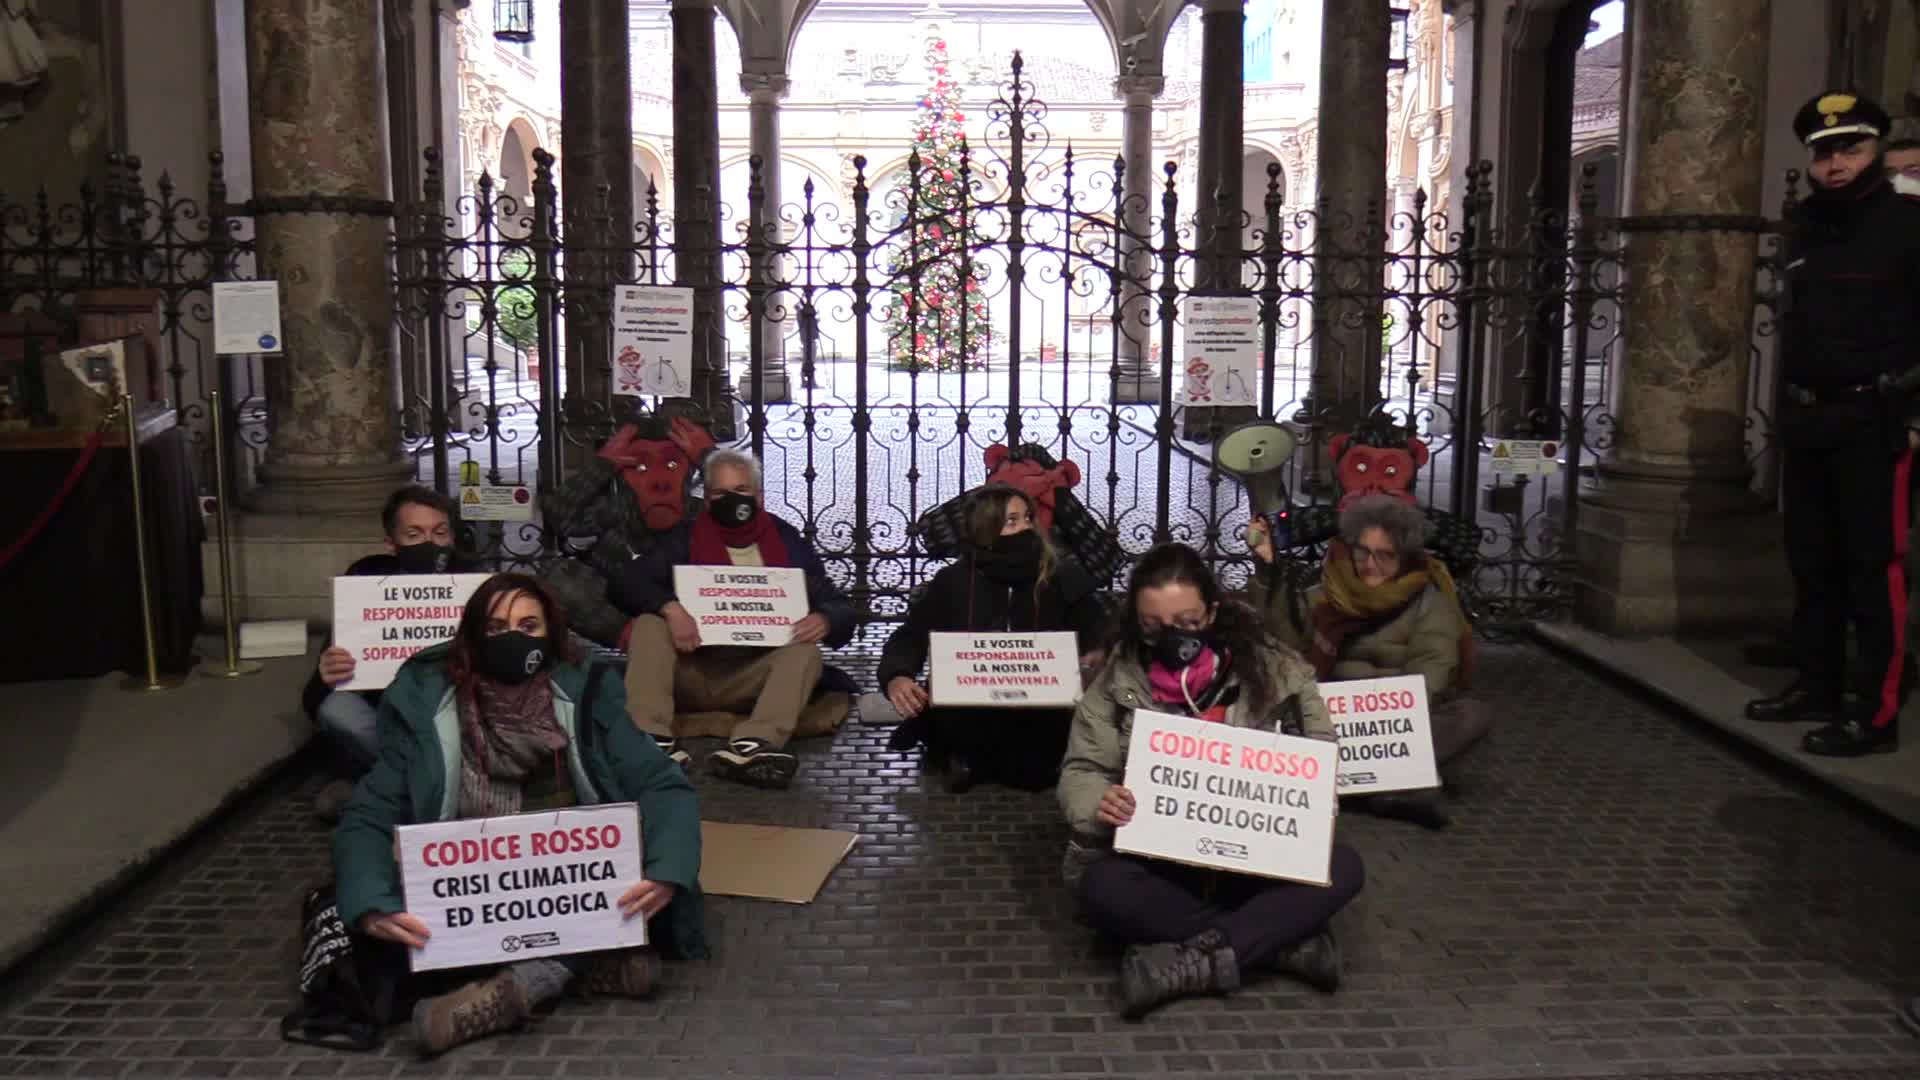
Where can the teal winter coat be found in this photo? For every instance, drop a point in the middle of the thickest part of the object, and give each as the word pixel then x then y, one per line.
pixel 416 781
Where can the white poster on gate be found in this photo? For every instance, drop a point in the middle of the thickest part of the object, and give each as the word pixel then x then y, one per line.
pixel 754 606
pixel 496 890
pixel 383 621
pixel 995 670
pixel 1229 798
pixel 1386 734
pixel 1221 351
pixel 652 341
pixel 246 317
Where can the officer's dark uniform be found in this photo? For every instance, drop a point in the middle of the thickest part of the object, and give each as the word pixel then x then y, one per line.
pixel 1851 325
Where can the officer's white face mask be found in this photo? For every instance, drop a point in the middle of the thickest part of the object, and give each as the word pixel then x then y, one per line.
pixel 1907 185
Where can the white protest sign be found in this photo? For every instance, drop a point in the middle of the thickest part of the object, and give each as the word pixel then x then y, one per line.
pixel 743 605
pixel 1034 671
pixel 652 340
pixel 1386 734
pixel 495 890
pixel 384 620
pixel 1229 798
pixel 1525 457
pixel 246 317
pixel 1221 351
pixel 496 502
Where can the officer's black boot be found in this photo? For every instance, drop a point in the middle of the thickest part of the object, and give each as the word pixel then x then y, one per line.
pixel 1853 737
pixel 1804 702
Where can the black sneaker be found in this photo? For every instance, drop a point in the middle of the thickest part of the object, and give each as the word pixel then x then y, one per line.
pixel 671 748
pixel 751 762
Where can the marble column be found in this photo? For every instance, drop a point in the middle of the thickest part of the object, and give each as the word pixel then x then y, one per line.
pixel 596 178
pixel 1138 380
pixel 1350 233
pixel 764 93
pixel 323 214
pixel 1218 235
pixel 696 203
pixel 1672 537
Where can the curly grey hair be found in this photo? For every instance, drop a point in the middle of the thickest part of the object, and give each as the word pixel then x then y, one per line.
pixel 735 459
pixel 1404 525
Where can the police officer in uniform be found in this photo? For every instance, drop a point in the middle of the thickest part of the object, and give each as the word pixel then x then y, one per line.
pixel 1850 332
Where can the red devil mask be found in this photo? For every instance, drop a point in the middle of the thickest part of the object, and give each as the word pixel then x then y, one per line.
pixel 656 470
pixel 1037 481
pixel 1365 469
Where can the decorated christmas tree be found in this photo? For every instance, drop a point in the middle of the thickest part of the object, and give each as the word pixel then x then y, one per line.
pixel 937 319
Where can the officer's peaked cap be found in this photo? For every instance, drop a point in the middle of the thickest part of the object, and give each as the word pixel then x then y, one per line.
pixel 1838 113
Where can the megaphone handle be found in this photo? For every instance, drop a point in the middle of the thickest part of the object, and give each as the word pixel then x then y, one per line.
pixel 1279 529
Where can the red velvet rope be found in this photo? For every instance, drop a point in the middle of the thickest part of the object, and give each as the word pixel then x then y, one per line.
pixel 40 523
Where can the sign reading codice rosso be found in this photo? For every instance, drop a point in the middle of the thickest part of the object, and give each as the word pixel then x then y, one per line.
pixel 1250 758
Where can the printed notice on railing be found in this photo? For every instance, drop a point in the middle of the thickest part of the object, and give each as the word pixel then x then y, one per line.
pixel 383 621
pixel 652 341
pixel 1031 671
pixel 743 605
pixel 1221 351
pixel 246 317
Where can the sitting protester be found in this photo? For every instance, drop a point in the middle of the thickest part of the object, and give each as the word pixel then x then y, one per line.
pixel 1006 579
pixel 501 720
pixel 670 671
pixel 1384 606
pixel 418 523
pixel 1186 649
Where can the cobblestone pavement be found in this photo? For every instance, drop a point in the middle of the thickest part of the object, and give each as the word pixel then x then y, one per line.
pixel 1621 896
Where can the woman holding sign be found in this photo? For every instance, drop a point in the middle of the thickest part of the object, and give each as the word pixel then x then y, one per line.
pixel 1185 648
pixel 505 719
pixel 1384 606
pixel 1006 579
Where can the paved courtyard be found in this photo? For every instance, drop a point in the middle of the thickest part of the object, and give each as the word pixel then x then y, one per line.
pixel 1621 896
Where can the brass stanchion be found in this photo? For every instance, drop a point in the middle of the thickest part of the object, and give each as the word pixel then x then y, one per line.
pixel 234 667
pixel 153 679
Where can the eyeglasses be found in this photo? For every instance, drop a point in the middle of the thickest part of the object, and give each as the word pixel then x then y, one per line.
pixel 1376 556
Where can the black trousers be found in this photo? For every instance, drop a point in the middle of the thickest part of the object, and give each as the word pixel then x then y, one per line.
pixel 1149 900
pixel 1847 491
pixel 1021 748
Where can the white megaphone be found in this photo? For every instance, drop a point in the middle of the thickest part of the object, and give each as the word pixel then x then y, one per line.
pixel 1257 455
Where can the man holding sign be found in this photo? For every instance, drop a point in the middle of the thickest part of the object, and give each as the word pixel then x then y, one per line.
pixel 1203 747
pixel 503 750
pixel 672 667
pixel 418 526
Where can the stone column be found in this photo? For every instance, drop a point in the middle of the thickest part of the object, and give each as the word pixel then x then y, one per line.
pixel 1350 233
pixel 1138 382
pixel 1217 195
pixel 696 203
pixel 596 156
pixel 764 92
pixel 1672 537
pixel 323 214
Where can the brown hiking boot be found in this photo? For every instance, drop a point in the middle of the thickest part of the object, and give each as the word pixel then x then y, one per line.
pixel 474 1011
pixel 628 973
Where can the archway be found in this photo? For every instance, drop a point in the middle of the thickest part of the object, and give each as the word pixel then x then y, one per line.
pixel 515 173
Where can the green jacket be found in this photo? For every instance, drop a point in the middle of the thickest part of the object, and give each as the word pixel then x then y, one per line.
pixel 609 759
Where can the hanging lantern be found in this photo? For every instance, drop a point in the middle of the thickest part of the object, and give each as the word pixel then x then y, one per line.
pixel 513 20
pixel 1399 37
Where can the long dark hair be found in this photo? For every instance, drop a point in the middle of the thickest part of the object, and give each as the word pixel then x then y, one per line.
pixel 467 640
pixel 987 514
pixel 1236 628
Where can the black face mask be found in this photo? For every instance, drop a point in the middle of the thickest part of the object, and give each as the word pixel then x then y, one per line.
pixel 732 509
pixel 424 558
pixel 1020 545
pixel 514 657
pixel 1175 649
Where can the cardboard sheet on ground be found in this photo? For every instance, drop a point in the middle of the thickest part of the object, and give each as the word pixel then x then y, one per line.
pixel 769 862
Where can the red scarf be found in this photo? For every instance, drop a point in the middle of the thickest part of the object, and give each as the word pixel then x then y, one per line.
pixel 708 541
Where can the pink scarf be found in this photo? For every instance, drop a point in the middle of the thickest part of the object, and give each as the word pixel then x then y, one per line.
pixel 1165 685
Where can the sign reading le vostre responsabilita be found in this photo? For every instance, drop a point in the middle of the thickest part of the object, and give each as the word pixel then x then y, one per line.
pixel 1229 798
pixel 1007 670
pixel 493 890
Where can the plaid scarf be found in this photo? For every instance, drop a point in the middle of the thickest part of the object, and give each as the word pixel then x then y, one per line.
pixel 505 733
